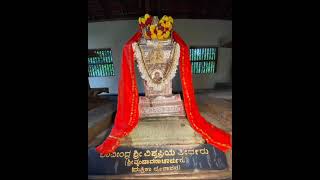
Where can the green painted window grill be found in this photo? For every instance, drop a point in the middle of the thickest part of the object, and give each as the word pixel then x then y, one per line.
pixel 203 60
pixel 100 64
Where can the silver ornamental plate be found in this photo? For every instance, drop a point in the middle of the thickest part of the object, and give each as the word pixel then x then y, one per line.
pixel 157 62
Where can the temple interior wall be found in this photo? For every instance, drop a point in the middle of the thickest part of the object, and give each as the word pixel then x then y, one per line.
pixel 196 32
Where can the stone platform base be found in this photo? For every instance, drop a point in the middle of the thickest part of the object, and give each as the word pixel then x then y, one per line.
pixel 205 175
pixel 162 162
pixel 154 131
pixel 161 106
pixel 161 148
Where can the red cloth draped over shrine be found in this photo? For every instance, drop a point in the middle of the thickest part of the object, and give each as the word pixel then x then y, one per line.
pixel 127 116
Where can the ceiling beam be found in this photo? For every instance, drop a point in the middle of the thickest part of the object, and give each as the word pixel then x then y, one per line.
pixel 131 9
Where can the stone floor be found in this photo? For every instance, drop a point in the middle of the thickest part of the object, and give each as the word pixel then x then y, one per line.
pixel 99 119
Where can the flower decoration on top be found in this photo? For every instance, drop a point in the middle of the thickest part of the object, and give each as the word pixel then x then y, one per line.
pixel 154 29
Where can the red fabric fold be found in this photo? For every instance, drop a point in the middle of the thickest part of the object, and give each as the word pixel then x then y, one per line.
pixel 209 132
pixel 127 111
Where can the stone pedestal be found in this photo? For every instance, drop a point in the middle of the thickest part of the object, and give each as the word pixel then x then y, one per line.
pixel 160 106
pixel 154 131
pixel 161 148
pixel 169 161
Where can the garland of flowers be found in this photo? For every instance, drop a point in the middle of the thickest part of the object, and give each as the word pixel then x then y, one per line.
pixel 144 74
pixel 160 31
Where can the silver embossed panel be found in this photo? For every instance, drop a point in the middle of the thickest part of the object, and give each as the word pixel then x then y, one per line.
pixel 157 62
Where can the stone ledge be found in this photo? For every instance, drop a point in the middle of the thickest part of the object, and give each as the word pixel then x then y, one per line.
pixel 99 119
pixel 162 131
pixel 216 175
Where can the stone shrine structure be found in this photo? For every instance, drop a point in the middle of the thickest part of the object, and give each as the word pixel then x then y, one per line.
pixel 152 134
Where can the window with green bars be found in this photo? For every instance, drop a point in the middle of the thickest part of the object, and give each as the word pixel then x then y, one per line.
pixel 100 63
pixel 203 60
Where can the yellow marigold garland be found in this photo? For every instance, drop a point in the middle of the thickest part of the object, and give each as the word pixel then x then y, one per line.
pixel 161 31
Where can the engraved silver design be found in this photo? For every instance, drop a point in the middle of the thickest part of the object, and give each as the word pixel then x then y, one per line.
pixel 157 62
